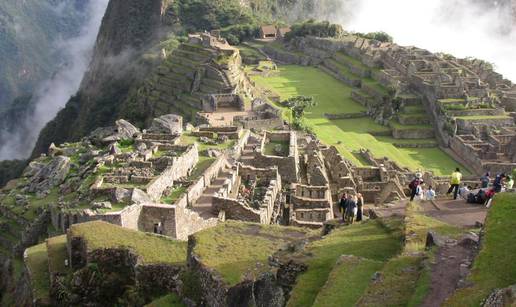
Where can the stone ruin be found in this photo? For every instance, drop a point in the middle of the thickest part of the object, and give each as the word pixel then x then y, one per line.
pixel 464 103
pixel 251 194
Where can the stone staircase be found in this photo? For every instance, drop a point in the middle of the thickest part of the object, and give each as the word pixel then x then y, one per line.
pixel 203 206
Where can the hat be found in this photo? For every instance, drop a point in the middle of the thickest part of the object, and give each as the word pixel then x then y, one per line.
pixel 418 175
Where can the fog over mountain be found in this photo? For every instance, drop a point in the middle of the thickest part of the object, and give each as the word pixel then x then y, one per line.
pixel 52 94
pixel 464 28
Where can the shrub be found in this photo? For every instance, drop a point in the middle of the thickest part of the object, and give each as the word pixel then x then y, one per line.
pixel 314 28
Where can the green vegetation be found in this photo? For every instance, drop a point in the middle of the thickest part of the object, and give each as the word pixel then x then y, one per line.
pixel 188 138
pixel 152 248
pixel 315 28
pixel 417 225
pixel 368 240
pixel 237 249
pixel 174 195
pixel 57 254
pixel 347 281
pixel 480 117
pixel 379 36
pixel 494 266
pixel 399 280
pixel 37 263
pixel 348 135
pixel 170 300
pixel 271 146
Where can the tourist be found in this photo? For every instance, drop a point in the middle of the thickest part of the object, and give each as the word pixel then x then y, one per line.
pixel 343 205
pixel 464 191
pixel 455 179
pixel 499 182
pixel 414 186
pixel 485 180
pixel 351 211
pixel 360 207
pixel 430 193
pixel 509 183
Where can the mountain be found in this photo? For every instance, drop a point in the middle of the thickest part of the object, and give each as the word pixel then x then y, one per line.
pixel 29 34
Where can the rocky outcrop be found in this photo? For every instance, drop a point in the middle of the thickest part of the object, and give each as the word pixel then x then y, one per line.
pixel 50 176
pixel 501 297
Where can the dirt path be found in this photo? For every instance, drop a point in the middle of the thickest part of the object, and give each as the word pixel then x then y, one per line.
pixel 452 263
pixel 455 212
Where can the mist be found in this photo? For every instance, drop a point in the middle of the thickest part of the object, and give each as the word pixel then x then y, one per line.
pixel 481 29
pixel 51 95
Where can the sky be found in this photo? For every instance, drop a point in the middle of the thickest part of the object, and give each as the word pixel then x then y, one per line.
pixel 457 27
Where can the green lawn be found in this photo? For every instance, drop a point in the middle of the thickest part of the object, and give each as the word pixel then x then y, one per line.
pixel 397 285
pixel 238 250
pixel 348 135
pixel 170 300
pixel 152 248
pixel 369 240
pixel 347 281
pixel 57 254
pixel 37 263
pixel 495 265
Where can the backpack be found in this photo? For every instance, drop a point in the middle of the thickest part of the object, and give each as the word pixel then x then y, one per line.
pixel 471 198
pixel 413 184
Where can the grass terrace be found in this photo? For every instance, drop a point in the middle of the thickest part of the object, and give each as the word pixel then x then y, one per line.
pixel 238 250
pixel 342 57
pixel 368 240
pixel 348 135
pixel 480 117
pixel 37 263
pixel 152 248
pixel 187 138
pixel 347 281
pixel 494 266
pixel 57 254
pixel 170 300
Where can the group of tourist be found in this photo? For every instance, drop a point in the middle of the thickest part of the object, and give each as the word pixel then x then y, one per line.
pixel 351 207
pixel 484 191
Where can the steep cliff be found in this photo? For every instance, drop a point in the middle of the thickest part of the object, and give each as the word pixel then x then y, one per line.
pixel 129 29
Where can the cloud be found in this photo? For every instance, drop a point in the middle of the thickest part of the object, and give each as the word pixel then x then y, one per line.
pixel 52 94
pixel 463 28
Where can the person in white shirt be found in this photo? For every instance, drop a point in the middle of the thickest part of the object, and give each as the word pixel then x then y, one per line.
pixel 430 193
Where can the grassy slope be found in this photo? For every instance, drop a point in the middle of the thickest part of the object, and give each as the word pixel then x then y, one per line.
pixel 347 281
pixel 237 250
pixel 57 254
pixel 153 249
pixel 494 266
pixel 333 96
pixel 170 300
pixel 37 262
pixel 369 240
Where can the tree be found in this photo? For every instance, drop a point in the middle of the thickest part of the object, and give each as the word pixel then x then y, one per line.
pixel 297 105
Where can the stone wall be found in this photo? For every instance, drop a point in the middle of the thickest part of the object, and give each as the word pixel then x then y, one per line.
pixel 236 210
pixel 288 166
pixel 263 291
pixel 189 222
pixel 180 167
pixel 158 218
pixel 468 125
